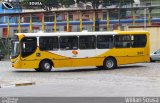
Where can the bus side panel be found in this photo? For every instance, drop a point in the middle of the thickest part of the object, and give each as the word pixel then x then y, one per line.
pixel 20 64
pixel 127 55
pixel 30 64
pixel 62 63
pixel 87 62
pixel 131 60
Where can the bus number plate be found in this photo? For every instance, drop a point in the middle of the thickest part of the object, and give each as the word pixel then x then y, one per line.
pixel 140 53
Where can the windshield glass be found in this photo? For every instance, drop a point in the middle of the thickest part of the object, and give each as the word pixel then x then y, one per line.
pixel 15 49
pixel 158 51
pixel 28 46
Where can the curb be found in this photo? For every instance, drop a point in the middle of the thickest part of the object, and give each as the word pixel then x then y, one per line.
pixel 18 84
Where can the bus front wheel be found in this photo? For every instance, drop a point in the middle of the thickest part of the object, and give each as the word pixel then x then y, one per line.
pixel 109 63
pixel 45 66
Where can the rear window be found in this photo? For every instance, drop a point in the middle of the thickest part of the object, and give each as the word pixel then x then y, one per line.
pixel 139 40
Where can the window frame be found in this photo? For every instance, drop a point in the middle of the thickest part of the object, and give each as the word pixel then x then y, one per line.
pixel 71 48
pixel 95 42
pixel 54 49
pixel 122 41
pixel 105 42
pixel 28 53
pixel 132 41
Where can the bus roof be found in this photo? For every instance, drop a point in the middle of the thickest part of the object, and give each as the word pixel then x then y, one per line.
pixel 79 33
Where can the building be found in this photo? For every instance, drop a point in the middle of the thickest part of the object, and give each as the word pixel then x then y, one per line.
pixel 5 19
pixel 154 12
pixel 3 9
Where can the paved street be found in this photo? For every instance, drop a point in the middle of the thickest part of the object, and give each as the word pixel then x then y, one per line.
pixel 141 79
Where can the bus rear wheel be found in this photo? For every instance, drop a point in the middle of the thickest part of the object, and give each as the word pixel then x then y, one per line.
pixel 37 69
pixel 109 63
pixel 99 67
pixel 45 66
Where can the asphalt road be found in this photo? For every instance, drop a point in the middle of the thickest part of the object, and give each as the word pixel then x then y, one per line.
pixel 141 79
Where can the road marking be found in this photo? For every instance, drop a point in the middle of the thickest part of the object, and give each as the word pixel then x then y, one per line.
pixel 17 84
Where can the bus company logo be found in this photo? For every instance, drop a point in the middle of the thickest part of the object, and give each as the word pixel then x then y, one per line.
pixel 74 52
pixel 6 5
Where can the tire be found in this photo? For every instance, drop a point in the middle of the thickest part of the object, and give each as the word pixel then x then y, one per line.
pixel 109 63
pixel 151 60
pixel 45 66
pixel 99 67
pixel 37 69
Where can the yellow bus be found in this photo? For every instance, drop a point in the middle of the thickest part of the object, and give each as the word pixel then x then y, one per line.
pixel 107 50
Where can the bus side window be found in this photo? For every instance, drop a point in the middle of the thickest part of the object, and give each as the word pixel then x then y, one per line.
pixel 105 41
pixel 87 42
pixel 139 40
pixel 122 41
pixel 48 43
pixel 68 42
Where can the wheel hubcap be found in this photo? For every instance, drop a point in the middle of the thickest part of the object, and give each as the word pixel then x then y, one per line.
pixel 47 65
pixel 109 63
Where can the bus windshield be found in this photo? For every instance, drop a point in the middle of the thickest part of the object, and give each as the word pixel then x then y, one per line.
pixel 28 46
pixel 15 49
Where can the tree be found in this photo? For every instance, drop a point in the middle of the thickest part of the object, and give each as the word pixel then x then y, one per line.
pixel 96 3
pixel 67 3
pixel 49 4
pixel 106 2
pixel 121 2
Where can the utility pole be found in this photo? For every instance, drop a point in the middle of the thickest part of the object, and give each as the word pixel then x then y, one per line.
pixel 145 15
pixel 119 15
pixel 97 21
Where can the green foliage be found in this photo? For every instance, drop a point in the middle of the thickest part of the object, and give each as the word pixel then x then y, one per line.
pixel 67 3
pixel 96 3
pixel 122 2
